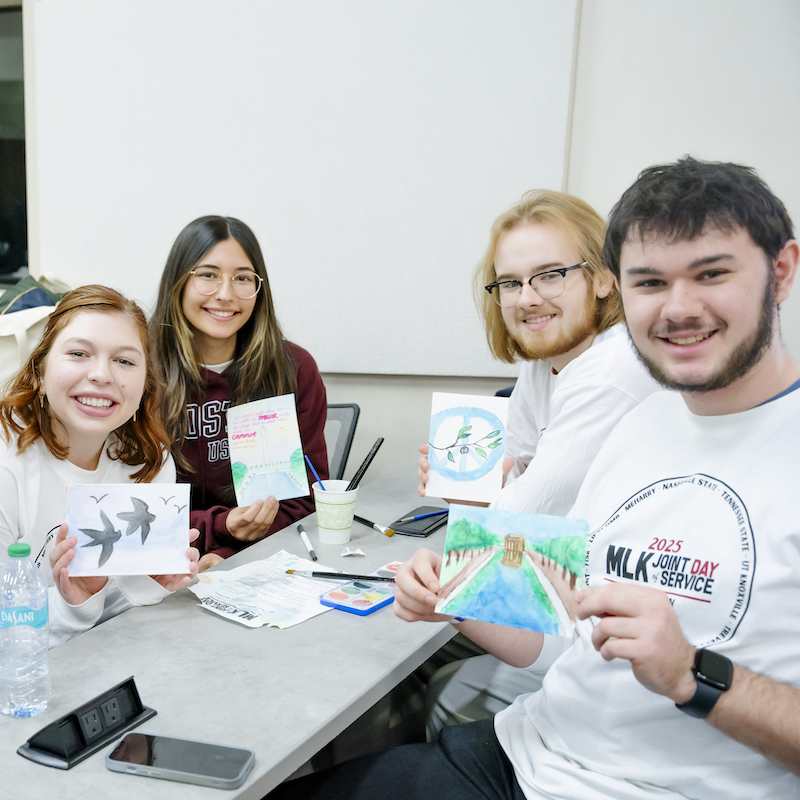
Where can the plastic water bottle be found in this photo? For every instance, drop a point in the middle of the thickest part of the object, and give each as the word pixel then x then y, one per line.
pixel 24 676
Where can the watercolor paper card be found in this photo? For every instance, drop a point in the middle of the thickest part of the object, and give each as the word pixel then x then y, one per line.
pixel 129 528
pixel 265 450
pixel 466 446
pixel 515 569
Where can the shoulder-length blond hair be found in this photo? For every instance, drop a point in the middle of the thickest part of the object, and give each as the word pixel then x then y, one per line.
pixel 582 224
pixel 261 367
pixel 24 415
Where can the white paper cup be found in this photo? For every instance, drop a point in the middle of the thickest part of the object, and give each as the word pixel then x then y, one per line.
pixel 335 509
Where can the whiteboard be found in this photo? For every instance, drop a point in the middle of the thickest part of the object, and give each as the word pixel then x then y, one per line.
pixel 369 145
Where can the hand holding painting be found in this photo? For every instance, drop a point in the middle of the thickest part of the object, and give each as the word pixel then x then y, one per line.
pixel 424 468
pixel 249 523
pixel 77 590
pixel 416 587
pixel 492 556
pixel 74 590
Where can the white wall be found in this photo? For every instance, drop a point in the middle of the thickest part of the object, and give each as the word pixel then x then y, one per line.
pixel 367 144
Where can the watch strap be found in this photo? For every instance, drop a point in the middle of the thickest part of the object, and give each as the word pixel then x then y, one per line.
pixel 713 674
pixel 703 701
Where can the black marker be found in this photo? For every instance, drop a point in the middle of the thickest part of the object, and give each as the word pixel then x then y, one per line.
pixel 306 542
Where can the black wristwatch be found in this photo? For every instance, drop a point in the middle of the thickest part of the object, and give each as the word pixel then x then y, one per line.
pixel 714 674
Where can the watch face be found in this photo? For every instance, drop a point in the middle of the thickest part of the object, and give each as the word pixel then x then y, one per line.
pixel 713 669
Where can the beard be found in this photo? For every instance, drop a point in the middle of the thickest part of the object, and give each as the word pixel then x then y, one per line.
pixel 744 357
pixel 537 346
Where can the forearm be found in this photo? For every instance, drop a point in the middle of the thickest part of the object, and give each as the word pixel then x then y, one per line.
pixel 762 714
pixel 517 647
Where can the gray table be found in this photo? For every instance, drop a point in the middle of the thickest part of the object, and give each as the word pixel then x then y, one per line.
pixel 283 693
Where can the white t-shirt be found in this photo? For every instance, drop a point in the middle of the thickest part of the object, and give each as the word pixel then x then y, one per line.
pixel 557 423
pixel 706 509
pixel 33 506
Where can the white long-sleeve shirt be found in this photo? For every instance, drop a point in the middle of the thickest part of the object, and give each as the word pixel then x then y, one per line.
pixel 33 507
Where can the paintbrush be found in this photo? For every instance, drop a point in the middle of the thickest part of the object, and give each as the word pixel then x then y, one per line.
pixel 380 528
pixel 342 576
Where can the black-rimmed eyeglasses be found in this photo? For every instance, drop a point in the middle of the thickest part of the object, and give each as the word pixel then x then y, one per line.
pixel 547 285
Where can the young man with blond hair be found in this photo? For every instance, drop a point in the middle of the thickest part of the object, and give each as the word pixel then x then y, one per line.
pixel 549 301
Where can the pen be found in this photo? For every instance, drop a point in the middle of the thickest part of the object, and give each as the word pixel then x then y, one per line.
pixel 380 528
pixel 422 516
pixel 307 542
pixel 342 576
pixel 363 468
pixel 311 467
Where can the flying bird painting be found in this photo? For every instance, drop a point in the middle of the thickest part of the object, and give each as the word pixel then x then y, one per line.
pixel 119 521
pixel 105 538
pixel 138 519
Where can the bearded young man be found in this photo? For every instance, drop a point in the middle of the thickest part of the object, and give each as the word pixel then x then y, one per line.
pixel 547 299
pixel 683 680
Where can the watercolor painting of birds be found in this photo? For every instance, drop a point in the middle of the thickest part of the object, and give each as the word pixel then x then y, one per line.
pixel 106 538
pixel 138 519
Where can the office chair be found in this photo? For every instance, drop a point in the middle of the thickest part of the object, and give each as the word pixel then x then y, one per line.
pixel 339 430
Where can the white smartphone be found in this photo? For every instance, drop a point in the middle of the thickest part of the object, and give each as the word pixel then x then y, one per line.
pixel 181 760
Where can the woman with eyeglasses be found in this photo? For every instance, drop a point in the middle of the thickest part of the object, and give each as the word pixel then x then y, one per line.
pixel 219 344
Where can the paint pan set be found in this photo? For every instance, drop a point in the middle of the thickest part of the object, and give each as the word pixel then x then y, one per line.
pixel 362 596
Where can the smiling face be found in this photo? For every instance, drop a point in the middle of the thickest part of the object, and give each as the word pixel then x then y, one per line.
pixel 563 327
pixel 703 312
pixel 93 378
pixel 216 319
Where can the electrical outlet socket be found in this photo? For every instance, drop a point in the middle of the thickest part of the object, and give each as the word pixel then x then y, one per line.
pixel 90 724
pixel 111 712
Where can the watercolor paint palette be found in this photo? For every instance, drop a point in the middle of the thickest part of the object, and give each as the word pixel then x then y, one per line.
pixel 360 597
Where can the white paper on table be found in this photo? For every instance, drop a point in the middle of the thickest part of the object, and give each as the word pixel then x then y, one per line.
pixel 129 528
pixel 466 446
pixel 261 593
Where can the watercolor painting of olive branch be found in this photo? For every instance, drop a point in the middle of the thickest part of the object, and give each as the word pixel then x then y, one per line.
pixel 465 447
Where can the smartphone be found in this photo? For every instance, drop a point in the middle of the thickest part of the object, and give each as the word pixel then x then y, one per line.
pixel 420 527
pixel 181 760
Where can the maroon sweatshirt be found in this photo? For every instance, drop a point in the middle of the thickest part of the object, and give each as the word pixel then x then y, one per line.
pixel 206 450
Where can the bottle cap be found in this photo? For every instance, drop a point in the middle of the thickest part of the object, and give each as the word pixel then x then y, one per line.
pixel 19 550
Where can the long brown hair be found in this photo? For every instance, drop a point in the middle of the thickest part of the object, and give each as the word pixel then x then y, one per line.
pixel 261 367
pixel 582 224
pixel 139 441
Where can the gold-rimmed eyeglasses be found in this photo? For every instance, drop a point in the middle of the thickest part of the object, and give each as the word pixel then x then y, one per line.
pixel 208 281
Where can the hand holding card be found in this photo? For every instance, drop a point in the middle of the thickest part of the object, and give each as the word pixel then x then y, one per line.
pixel 129 529
pixel 516 569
